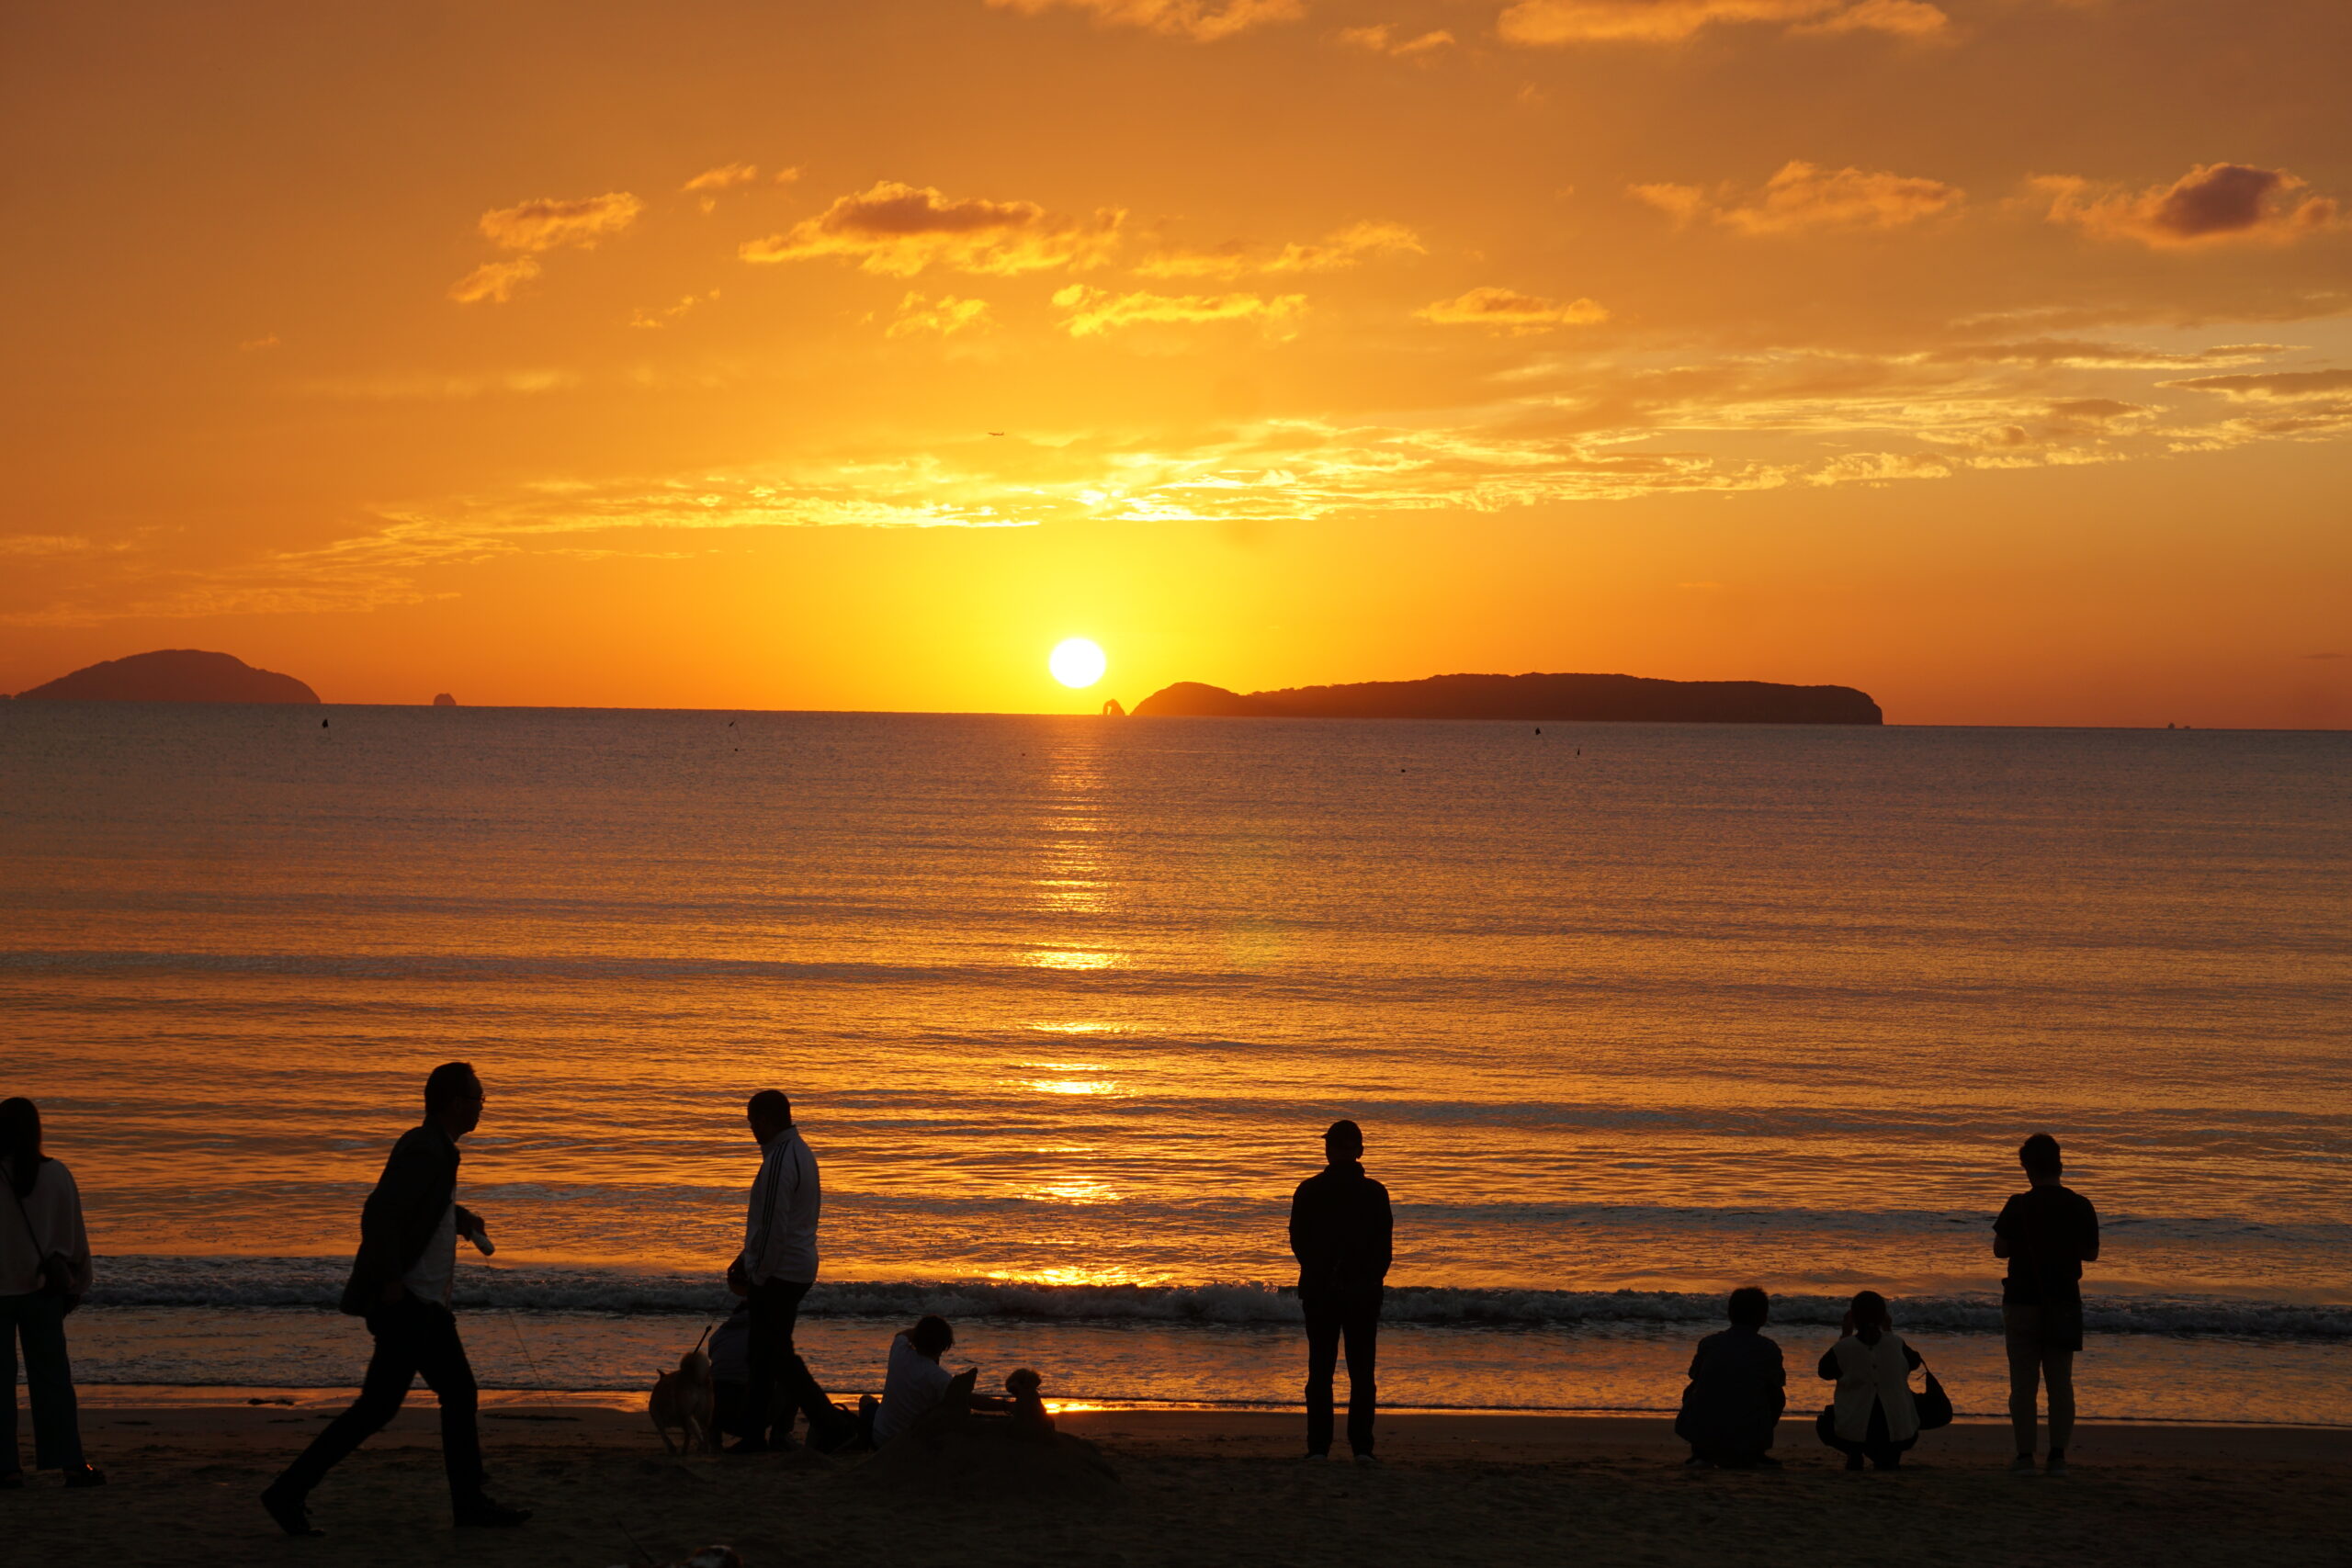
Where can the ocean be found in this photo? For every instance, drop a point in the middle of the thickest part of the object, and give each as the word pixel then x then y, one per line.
pixel 1631 1014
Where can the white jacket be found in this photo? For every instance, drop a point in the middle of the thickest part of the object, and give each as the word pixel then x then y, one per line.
pixel 780 1230
pixel 51 1223
pixel 1880 1372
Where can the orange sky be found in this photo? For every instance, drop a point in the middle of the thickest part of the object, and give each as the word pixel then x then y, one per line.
pixel 1988 354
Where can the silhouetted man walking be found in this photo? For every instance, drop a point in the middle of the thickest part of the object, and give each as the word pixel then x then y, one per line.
pixel 776 1269
pixel 399 1283
pixel 1341 1233
pixel 2047 1233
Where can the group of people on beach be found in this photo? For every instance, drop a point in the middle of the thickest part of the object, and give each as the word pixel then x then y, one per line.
pixel 1341 1233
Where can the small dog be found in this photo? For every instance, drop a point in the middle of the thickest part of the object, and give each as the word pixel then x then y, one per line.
pixel 685 1399
pixel 1030 1420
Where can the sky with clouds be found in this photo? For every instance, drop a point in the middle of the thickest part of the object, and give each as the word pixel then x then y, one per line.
pixel 1993 355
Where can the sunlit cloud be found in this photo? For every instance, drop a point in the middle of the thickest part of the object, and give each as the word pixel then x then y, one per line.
pixel 1097 311
pixel 495 282
pixel 2092 354
pixel 900 229
pixel 946 316
pixel 2284 386
pixel 1804 195
pixel 2212 204
pixel 1558 22
pixel 1204 21
pixel 1506 309
pixel 549 224
pixel 1340 249
pixel 258 344
pixel 726 176
pixel 666 314
pixel 1386 38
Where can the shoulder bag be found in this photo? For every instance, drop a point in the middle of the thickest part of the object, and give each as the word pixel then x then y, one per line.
pixel 56 1269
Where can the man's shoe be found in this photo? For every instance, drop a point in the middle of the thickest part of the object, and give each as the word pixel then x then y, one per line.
pixel 2021 1465
pixel 86 1475
pixel 1323 1454
pixel 1368 1459
pixel 291 1512
pixel 2057 1465
pixel 1763 1462
pixel 484 1514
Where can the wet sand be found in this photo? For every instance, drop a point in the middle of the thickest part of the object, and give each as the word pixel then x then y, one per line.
pixel 1204 1486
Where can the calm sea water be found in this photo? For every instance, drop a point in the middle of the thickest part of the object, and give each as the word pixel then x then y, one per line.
pixel 1629 1013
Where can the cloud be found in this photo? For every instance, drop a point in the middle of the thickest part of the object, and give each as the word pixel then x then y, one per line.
pixel 44 545
pixel 2283 386
pixel 1098 310
pixel 256 344
pixel 426 387
pixel 1340 249
pixel 1383 38
pixel 641 316
pixel 2091 353
pixel 724 177
pixel 1542 23
pixel 946 316
pixel 1804 195
pixel 1508 311
pixel 547 224
pixel 898 230
pixel 1204 21
pixel 2212 204
pixel 495 281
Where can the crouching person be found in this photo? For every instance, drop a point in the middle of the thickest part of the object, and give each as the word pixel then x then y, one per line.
pixel 1737 1390
pixel 1875 1415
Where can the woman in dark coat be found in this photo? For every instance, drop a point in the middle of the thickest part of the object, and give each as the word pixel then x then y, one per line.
pixel 1737 1387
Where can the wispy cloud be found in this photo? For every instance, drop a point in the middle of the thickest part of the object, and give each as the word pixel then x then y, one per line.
pixel 1506 309
pixel 945 316
pixel 495 282
pixel 900 229
pixel 1337 251
pixel 549 224
pixel 1804 195
pixel 1095 310
pixel 1204 21
pixel 726 176
pixel 1539 23
pixel 1386 38
pixel 2212 204
pixel 2283 386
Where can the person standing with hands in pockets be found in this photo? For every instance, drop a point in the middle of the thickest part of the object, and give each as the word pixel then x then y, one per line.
pixel 400 1283
pixel 1341 1234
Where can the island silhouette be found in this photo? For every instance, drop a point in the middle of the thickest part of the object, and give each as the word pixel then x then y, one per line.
pixel 1618 698
pixel 172 675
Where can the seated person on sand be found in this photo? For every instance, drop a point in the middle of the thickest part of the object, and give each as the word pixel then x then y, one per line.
pixel 1875 1413
pixel 1737 1387
pixel 916 1383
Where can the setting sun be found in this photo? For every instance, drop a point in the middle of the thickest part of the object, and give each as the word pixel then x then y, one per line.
pixel 1078 662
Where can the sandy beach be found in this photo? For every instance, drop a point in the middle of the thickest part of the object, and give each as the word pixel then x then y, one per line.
pixel 1203 1486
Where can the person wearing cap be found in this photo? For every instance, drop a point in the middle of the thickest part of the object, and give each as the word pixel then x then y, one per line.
pixel 1341 1233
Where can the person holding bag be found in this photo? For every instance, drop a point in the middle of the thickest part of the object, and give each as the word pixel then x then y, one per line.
pixel 44 1273
pixel 1876 1414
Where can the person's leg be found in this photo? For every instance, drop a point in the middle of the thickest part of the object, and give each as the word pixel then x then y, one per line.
pixel 1362 1329
pixel 797 1383
pixel 2058 1376
pixel 2021 1329
pixel 11 1462
pixel 441 1358
pixel 765 1345
pixel 1323 1333
pixel 391 1368
pixel 49 1379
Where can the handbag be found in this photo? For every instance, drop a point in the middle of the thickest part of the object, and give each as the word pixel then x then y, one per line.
pixel 56 1269
pixel 1932 1403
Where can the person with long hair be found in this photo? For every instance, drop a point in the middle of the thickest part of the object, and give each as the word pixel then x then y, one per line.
pixel 44 1273
pixel 1874 1416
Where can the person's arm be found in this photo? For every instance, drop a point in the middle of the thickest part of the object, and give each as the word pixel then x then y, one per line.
pixel 761 1216
pixel 1299 1225
pixel 1779 1369
pixel 1828 1368
pixel 2001 1230
pixel 1911 1357
pixel 76 1236
pixel 406 1183
pixel 2090 1232
pixel 1384 1234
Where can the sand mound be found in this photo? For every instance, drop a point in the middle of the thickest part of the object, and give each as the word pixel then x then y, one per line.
pixel 984 1459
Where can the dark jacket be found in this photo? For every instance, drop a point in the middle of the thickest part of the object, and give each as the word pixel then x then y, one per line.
pixel 1340 1231
pixel 1737 1392
pixel 401 1214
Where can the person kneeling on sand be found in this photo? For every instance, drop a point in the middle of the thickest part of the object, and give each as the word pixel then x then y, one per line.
pixel 916 1383
pixel 1874 1415
pixel 1737 1392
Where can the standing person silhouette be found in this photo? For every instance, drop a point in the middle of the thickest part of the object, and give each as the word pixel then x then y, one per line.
pixel 2048 1232
pixel 399 1283
pixel 1341 1234
pixel 776 1269
pixel 44 1273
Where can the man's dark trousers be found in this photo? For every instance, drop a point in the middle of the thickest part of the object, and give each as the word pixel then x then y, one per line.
pixel 412 1337
pixel 1352 1317
pixel 776 1368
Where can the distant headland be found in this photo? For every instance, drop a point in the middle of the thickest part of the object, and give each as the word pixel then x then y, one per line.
pixel 1565 698
pixel 173 675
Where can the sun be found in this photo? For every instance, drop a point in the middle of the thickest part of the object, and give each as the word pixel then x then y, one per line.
pixel 1075 661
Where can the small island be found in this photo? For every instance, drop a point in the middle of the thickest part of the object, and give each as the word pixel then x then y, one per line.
pixel 1627 699
pixel 173 675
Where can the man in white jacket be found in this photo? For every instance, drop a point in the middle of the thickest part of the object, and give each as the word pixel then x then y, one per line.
pixel 777 1267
